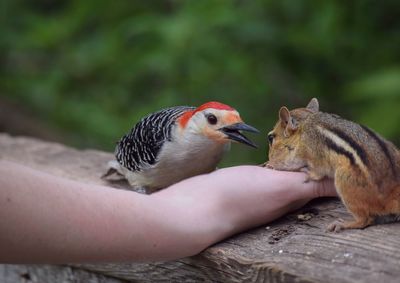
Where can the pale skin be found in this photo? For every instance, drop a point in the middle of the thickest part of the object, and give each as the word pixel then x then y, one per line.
pixel 49 219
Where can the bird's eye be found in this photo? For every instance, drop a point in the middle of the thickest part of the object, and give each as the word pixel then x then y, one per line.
pixel 271 138
pixel 212 119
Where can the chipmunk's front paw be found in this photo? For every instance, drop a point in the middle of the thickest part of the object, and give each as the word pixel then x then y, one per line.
pixel 336 226
pixel 267 165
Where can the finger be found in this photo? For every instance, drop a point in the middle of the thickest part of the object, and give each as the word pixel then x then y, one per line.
pixel 325 188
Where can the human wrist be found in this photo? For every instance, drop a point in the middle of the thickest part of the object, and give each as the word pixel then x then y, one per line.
pixel 183 217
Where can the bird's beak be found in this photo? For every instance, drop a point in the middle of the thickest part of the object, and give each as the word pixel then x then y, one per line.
pixel 233 133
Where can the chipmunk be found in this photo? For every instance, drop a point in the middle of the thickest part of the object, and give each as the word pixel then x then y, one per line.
pixel 365 167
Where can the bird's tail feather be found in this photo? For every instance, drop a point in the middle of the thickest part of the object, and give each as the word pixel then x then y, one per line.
pixel 113 168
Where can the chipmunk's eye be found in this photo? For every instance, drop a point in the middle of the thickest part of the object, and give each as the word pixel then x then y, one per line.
pixel 270 138
pixel 212 120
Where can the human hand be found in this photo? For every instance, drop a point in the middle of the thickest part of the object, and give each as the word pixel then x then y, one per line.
pixel 237 198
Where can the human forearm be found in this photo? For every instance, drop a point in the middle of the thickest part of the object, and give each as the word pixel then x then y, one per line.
pixel 52 219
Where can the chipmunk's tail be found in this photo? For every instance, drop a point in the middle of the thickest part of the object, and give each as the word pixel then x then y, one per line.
pixel 390 218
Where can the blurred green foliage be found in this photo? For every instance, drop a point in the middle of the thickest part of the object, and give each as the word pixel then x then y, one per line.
pixel 93 68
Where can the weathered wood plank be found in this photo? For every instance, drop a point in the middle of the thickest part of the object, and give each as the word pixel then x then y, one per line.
pixel 295 248
pixel 50 274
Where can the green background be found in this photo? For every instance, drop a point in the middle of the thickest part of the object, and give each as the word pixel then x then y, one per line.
pixel 83 72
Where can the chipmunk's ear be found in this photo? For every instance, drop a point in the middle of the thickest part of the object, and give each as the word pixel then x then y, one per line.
pixel 313 105
pixel 289 123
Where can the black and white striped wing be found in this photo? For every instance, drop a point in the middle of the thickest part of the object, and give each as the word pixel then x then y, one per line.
pixel 139 148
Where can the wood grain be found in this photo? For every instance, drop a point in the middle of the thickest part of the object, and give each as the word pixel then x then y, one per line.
pixel 50 274
pixel 296 248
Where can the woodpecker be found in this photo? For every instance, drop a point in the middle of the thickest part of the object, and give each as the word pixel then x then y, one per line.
pixel 175 143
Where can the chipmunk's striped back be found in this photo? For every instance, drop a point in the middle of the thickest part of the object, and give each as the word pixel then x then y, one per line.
pixel 364 148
